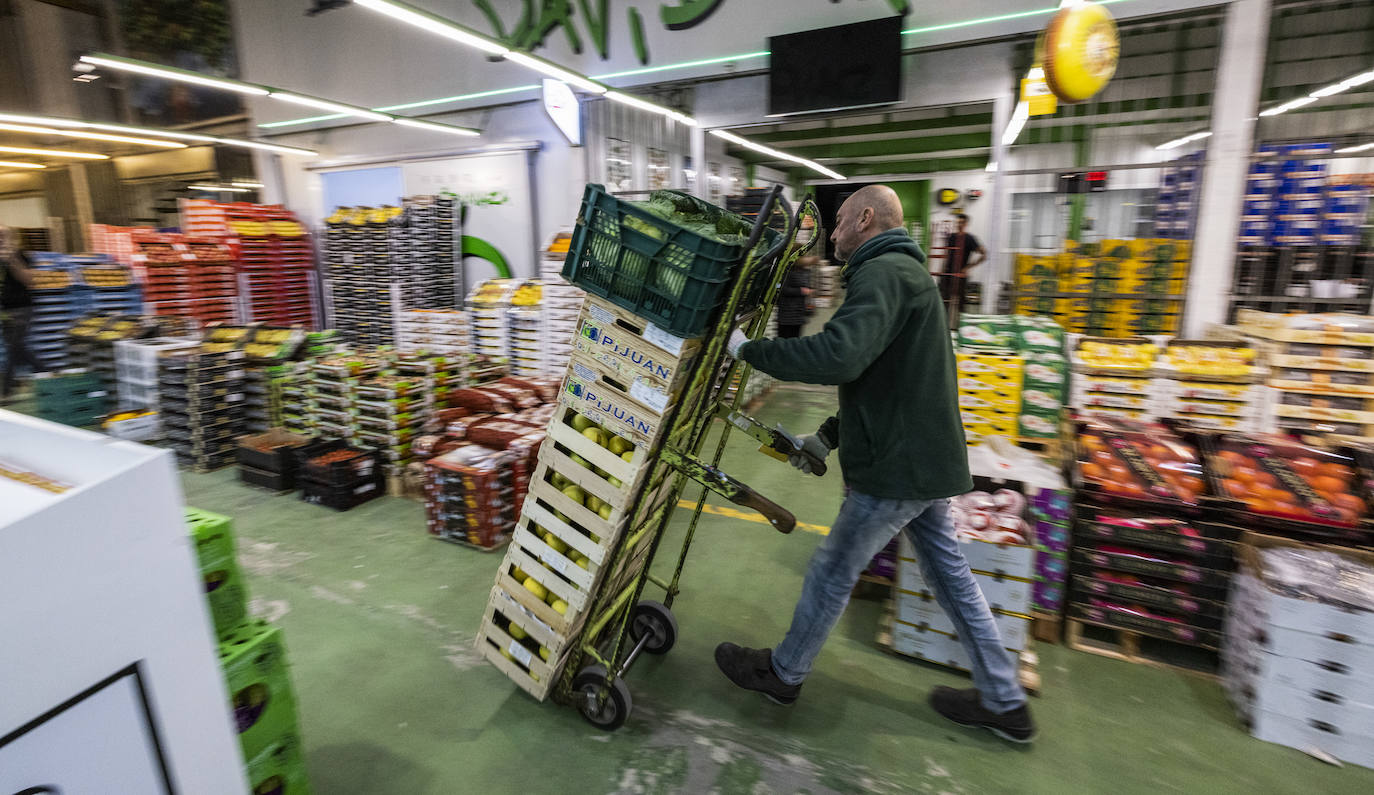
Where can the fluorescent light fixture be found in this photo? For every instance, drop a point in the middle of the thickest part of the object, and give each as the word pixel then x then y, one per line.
pixel 556 72
pixel 124 139
pixel 1014 125
pixel 1289 105
pixel 253 185
pixel 1359 79
pixel 17 164
pixel 180 75
pixel 1359 148
pixel 20 150
pixel 991 166
pixel 404 12
pixel 744 56
pixel 442 100
pixel 219 188
pixel 266 147
pixel 780 155
pixel 324 104
pixel 304 120
pixel 1187 139
pixel 1334 88
pixel 434 126
pixel 636 102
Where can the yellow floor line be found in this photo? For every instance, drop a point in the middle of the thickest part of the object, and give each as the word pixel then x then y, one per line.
pixel 748 516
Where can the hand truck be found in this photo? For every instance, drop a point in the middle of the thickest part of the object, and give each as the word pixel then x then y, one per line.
pixel 621 626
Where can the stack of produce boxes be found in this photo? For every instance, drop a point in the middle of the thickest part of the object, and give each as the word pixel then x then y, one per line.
pixel 1210 384
pixel 91 342
pixel 1144 563
pixel 296 398
pixel 1343 214
pixel 1176 204
pixel 562 305
pixel 267 351
pixel 201 405
pixel 591 468
pixel 1321 368
pixel 542 320
pixel 337 475
pixel 488 306
pixel 990 376
pixel 391 408
pixel 330 392
pixel 1112 377
pixel 112 288
pixel 525 319
pixel 1298 653
pixel 1297 213
pixel 439 331
pixel 136 369
pixel 1045 379
pixel 1110 288
pixel 268 460
pixel 188 277
pixel 74 396
pixel 360 278
pixel 58 301
pixel 1261 198
pixel 253 659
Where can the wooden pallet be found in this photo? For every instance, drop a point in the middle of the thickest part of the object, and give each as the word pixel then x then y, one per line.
pixel 1132 647
pixel 1053 449
pixel 1028 669
pixel 1047 627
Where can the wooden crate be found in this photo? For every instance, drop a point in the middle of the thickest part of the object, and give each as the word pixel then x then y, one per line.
pixel 1047 627
pixel 1027 667
pixel 629 473
pixel 1133 647
pixel 632 348
pixel 524 667
pixel 621 407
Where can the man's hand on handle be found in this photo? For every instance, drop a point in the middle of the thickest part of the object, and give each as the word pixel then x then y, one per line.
pixel 812 445
pixel 737 340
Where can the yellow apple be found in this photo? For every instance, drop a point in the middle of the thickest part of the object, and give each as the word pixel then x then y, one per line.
pixel 595 434
pixel 605 511
pixel 580 461
pixel 575 493
pixel 614 481
pixel 619 445
pixel 519 575
pixel 628 456
pixel 535 587
pixel 558 481
pixel 544 653
pixel 560 607
pixel 556 543
pixel 584 561
pixel 517 632
pixel 581 423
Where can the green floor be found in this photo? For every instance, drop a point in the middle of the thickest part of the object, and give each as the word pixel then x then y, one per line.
pixel 380 622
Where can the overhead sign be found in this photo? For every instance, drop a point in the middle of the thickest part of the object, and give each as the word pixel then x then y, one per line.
pixel 563 108
pixel 1081 48
pixel 1036 93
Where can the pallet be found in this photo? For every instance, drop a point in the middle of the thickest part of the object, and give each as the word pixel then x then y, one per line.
pixel 1028 668
pixel 1047 627
pixel 1052 449
pixel 1132 647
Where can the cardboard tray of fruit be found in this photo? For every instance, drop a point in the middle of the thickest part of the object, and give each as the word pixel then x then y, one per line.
pixel 1144 622
pixel 1164 566
pixel 1276 482
pixel 1209 545
pixel 1215 361
pixel 1204 603
pixel 1130 463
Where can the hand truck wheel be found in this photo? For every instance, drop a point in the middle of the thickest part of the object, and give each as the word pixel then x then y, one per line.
pixel 655 620
pixel 587 688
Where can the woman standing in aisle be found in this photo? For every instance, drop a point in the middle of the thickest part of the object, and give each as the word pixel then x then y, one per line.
pixel 16 311
pixel 793 298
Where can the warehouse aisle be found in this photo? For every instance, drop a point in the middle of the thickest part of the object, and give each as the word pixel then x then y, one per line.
pixel 380 622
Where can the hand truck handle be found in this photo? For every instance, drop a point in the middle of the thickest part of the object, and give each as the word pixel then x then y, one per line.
pixel 761 223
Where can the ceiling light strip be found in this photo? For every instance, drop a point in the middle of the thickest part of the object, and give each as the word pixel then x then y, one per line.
pixel 93 136
pixel 170 73
pixel 775 153
pixel 185 136
pixel 17 164
pixel 432 23
pixel 22 150
pixel 220 188
pixel 324 104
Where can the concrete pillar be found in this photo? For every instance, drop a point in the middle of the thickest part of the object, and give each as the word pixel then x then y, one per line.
pixel 696 139
pixel 997 269
pixel 85 216
pixel 1235 102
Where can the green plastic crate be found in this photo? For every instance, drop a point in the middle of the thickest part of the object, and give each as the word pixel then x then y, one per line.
pixel 279 769
pixel 225 592
pixel 649 265
pixel 253 658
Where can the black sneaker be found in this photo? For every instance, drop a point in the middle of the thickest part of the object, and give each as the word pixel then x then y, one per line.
pixel 965 707
pixel 752 669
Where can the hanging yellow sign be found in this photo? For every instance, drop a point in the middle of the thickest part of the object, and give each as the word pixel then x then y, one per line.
pixel 1036 93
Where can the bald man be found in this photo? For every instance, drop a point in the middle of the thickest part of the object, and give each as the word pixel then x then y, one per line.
pixel 901 443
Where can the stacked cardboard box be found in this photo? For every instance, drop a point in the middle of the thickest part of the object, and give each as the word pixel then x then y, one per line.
pixel 73 396
pixel 488 306
pixel 1176 203
pixel 1298 651
pixel 201 405
pixel 443 332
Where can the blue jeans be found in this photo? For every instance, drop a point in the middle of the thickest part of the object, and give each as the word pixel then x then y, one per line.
pixel 866 525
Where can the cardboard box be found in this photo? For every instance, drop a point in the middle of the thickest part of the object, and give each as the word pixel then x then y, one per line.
pixel 921 610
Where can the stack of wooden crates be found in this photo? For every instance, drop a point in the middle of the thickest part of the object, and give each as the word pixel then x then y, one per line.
pixel 621 386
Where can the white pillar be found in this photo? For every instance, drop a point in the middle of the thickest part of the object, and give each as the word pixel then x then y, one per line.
pixel 697 143
pixel 1235 102
pixel 997 269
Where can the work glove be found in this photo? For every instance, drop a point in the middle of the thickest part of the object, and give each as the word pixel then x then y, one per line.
pixel 737 340
pixel 811 443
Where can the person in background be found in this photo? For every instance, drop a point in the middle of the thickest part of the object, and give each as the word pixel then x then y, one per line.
pixel 965 253
pixel 902 449
pixel 16 311
pixel 793 298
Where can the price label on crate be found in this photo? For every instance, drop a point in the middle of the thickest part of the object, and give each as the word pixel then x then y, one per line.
pixel 584 372
pixel 233 398
pixel 668 342
pixel 99 394
pixel 520 653
pixel 556 561
pixel 655 399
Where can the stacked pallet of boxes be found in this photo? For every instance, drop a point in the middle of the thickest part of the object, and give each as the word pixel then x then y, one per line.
pixel 1176 203
pixel 330 392
pixel 188 277
pixel 443 332
pixel 1210 384
pixel 91 342
pixel 391 408
pixel 1298 653
pixel 276 265
pixel 267 351
pixel 359 272
pixel 337 475
pixel 1146 563
pixel 488 307
pixel 253 659
pixel 1321 369
pixel 111 287
pixel 136 368
pixel 75 396
pixel 58 301
pixel 1113 377
pixel 1112 288
pixel 542 320
pixel 296 398
pixel 201 405
pixel 423 238
pixel 624 378
pixel 990 377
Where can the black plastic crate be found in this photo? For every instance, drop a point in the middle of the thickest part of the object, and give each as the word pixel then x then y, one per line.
pixel 279 460
pixel 358 467
pixel 343 498
pixel 272 481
